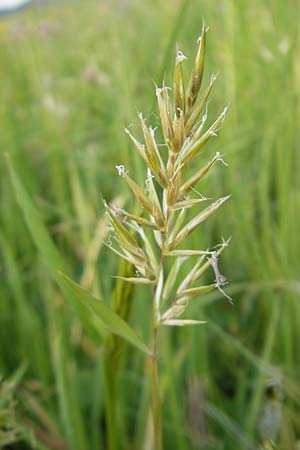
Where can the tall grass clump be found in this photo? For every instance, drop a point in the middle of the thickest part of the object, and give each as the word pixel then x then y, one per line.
pixel 153 239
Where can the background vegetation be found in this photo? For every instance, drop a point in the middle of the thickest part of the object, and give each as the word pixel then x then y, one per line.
pixel 72 76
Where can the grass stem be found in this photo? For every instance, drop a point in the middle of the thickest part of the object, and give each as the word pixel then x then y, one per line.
pixel 155 399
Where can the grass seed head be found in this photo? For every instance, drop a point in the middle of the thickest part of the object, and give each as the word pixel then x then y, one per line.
pixel 170 194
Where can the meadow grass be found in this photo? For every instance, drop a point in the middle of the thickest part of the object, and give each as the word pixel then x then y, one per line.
pixel 70 82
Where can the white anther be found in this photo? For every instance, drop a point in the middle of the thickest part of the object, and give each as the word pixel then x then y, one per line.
pixel 180 57
pixel 159 90
pixel 121 171
pixel 219 158
pixel 152 131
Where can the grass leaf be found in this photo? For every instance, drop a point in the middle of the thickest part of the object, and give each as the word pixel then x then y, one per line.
pixel 112 321
pixel 51 256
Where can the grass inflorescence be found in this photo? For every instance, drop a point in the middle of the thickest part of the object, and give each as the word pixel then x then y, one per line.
pixel 169 194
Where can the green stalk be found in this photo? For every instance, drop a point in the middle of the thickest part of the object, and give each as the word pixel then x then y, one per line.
pixel 155 399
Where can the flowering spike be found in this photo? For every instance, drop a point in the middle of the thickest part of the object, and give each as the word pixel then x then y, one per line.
pixel 151 239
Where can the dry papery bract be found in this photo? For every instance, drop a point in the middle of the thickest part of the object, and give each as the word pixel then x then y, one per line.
pixel 147 240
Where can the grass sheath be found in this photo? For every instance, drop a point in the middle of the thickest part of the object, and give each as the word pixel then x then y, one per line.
pixel 165 202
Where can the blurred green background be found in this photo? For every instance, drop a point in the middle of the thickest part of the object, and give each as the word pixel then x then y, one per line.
pixel 73 75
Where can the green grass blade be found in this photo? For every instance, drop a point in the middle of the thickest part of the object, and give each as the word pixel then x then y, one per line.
pixel 112 321
pixel 34 223
pixel 51 256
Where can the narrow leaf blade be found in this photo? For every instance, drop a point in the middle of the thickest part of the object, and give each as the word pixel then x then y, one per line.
pixel 112 321
pixel 49 252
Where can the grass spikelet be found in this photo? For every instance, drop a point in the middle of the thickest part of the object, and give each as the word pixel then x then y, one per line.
pixel 197 74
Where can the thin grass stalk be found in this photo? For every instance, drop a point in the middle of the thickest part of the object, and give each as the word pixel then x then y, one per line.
pixel 155 396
